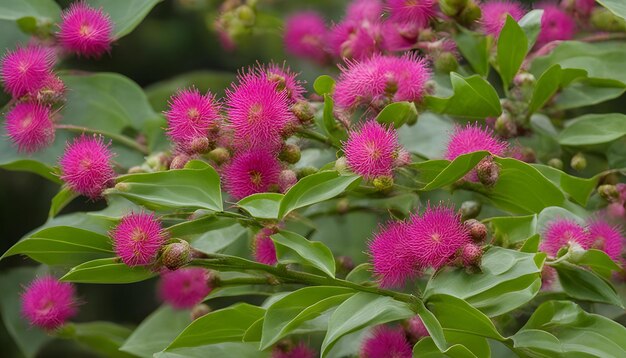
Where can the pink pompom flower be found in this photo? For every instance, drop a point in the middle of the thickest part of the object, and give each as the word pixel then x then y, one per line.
pixel 364 10
pixel 494 14
pixel 263 248
pixel 285 80
pixel 29 126
pixel 561 233
pixel 555 25
pixel 299 351
pixel 185 287
pixel 607 238
pixel 356 40
pixel 371 150
pixel 437 235
pixel 138 238
pixel 86 166
pixel 85 30
pixel 254 171
pixel 400 36
pixel 190 117
pixel 48 303
pixel 386 342
pixel 26 69
pixel 392 255
pixel 415 328
pixel 258 112
pixel 472 138
pixel 414 11
pixel 305 36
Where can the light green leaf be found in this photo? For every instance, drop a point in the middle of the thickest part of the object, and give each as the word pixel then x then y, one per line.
pixel 126 15
pixel 593 129
pixel 513 229
pixel 108 270
pixel 546 87
pixel 291 247
pixel 439 173
pixel 475 48
pixel 398 113
pixel 599 262
pixel 531 24
pixel 324 84
pixel 220 350
pixel 209 234
pixel 586 285
pixel 578 188
pixel 426 348
pixel 60 201
pixel 473 98
pixel 42 10
pixel 262 205
pixel 615 6
pixel 101 337
pixel 512 49
pixel 587 93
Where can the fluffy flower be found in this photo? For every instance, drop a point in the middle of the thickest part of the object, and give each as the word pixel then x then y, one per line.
pixel 138 238
pixel 251 172
pixel 85 30
pixel 549 277
pixel 584 7
pixel 392 255
pixel 48 303
pixel 285 80
pixel 607 238
pixel 355 40
pixel 299 351
pixel 190 116
pixel 305 36
pixel 386 342
pixel 562 232
pixel 26 69
pixel 86 166
pixel 381 79
pixel 414 11
pixel 399 36
pixel 472 138
pixel 29 126
pixel 494 15
pixel 371 150
pixel 555 25
pixel 185 287
pixel 437 235
pixel 264 250
pixel 364 10
pixel 416 328
pixel 258 112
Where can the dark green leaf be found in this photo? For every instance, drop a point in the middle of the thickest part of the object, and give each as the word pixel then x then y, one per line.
pixel 102 337
pixel 108 270
pixel 546 87
pixel 532 244
pixel 473 98
pixel 593 129
pixel 599 262
pixel 324 84
pixel 262 205
pixel 335 132
pixel 474 47
pixel 586 285
pixel 60 200
pixel 220 350
pixel 28 24
pixel 513 229
pixel 512 49
pixel 439 173
pixel 398 113
pixel 126 15
pixel 426 348
pixel 291 247
pixel 433 326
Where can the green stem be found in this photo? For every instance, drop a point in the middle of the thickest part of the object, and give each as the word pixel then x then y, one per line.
pixel 246 281
pixel 122 139
pixel 311 134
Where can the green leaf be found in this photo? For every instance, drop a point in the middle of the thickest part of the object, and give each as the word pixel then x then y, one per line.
pixel 593 129
pixel 335 132
pixel 361 274
pixel 60 201
pixel 546 87
pixel 108 270
pixel 156 331
pixel 27 24
pixel 508 279
pixel 262 205
pixel 578 188
pixel 426 348
pixel 315 188
pixel 512 49
pixel 587 93
pixel 427 138
pixel 531 24
pixel 362 310
pixel 532 244
pixel 209 234
pixel 291 247
pixel 475 48
pixel 224 325
pixel 42 10
pixel 615 6
pixel 197 186
pixel 102 337
pixel 513 229
pixel 473 98
pixel 439 173
pixel 324 84
pixel 126 15
pixel 220 350
pixel 599 262
pixel 433 326
pixel 398 113
pixel 255 332
pixel 63 245
pixel 586 285
pixel 293 310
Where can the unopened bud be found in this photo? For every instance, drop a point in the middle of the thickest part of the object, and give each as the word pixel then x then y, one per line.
pixel 446 62
pixel 524 79
pixel 403 158
pixel 341 165
pixel 302 172
pixel 280 81
pixel 608 192
pixel 579 162
pixel 470 209
pixel 123 187
pixel 246 15
pixel 200 310
pixel 176 254
pixel 179 161
pixel 219 155
pixel 287 179
pixel 528 155
pixel 576 252
pixel 452 7
pixel 199 145
pixel 469 14
pixel 303 111
pixel 488 172
pixel 476 229
pixel 471 255
pixel 383 183
pixel 136 170
pixel 52 91
pixel 343 205
pixel 158 161
pixel 603 19
pixel 505 126
pixel 344 264
pixel 290 153
pixel 555 163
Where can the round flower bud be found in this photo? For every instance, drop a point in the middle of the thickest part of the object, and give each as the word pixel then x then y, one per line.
pixel 579 162
pixel 176 254
pixel 199 145
pixel 471 255
pixel 383 183
pixel 290 153
pixel 219 155
pixel 287 179
pixel 179 161
pixel 303 111
pixel 470 13
pixel 446 62
pixel 341 165
pixel 200 310
pixel 488 172
pixel 302 172
pixel 555 163
pixel 505 126
pixel 470 209
pixel 452 7
pixel 476 229
pixel 344 264
pixel 246 15
pixel 603 19
pixel 608 192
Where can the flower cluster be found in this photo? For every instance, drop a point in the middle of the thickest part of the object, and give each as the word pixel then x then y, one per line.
pixel 85 30
pixel 138 238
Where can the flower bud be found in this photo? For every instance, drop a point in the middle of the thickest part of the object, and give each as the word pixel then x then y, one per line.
pixel 176 254
pixel 452 7
pixel 200 310
pixel 53 91
pixel 470 209
pixel 287 179
pixel 555 163
pixel 199 145
pixel 608 192
pixel 303 111
pixel 476 229
pixel 505 126
pixel 343 205
pixel 383 183
pixel 179 161
pixel 136 170
pixel 469 14
pixel 446 62
pixel 579 162
pixel 158 161
pixel 341 165
pixel 302 172
pixel 246 15
pixel 219 155
pixel 290 153
pixel 403 158
pixel 123 187
pixel 524 79
pixel 605 20
pixel 488 172
pixel 344 264
pixel 471 255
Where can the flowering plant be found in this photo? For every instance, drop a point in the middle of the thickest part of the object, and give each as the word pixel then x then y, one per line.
pixel 455 187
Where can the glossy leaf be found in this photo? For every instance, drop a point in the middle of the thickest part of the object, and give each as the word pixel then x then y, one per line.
pixel 585 285
pixel 102 337
pixel 512 49
pixel 578 188
pixel 209 234
pixel 43 10
pixel 108 270
pixel 615 6
pixel 546 87
pixel 61 200
pixel 513 229
pixel 593 129
pixel 439 173
pixel 473 98
pixel 291 247
pixel 126 15
pixel 474 47
pixel 398 113
pixel 433 326
pixel 599 262
pixel 262 206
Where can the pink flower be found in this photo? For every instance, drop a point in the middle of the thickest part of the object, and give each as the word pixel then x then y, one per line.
pixel 86 166
pixel 185 287
pixel 437 235
pixel 305 36
pixel 355 40
pixel 26 69
pixel 299 351
pixel 400 36
pixel 138 238
pixel 381 79
pixel 48 303
pixel 258 112
pixel 561 233
pixel 286 180
pixel 29 126
pixel 607 238
pixel 364 10
pixel 285 80
pixel 392 255
pixel 548 277
pixel 264 250
pixel 251 172
pixel 414 11
pixel 371 150
pixel 472 138
pixel 494 14
pixel 584 7
pixel 416 329
pixel 555 25
pixel 85 30
pixel 386 342
pixel 191 115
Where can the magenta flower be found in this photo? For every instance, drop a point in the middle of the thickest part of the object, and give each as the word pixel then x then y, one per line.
pixel 299 351
pixel 494 14
pixel 26 69
pixel 251 172
pixel 191 115
pixel 258 112
pixel 472 138
pixel 414 11
pixel 305 36
pixel 371 150
pixel 138 238
pixel 561 233
pixel 48 303
pixel 263 248
pixel 285 80
pixel 85 30
pixel 29 126
pixel 355 40
pixel 437 235
pixel 185 287
pixel 86 166
pixel 607 238
pixel 386 342
pixel 549 277
pixel 555 25
pixel 400 36
pixel 584 7
pixel 286 180
pixel 393 256
pixel 364 10
pixel 416 328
